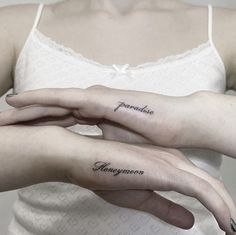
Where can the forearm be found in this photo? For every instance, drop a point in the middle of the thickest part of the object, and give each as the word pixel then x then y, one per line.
pixel 28 155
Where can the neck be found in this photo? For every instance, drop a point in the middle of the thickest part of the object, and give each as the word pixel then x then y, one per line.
pixel 123 7
pixel 118 7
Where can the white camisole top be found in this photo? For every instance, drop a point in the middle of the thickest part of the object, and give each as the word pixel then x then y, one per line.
pixel 59 208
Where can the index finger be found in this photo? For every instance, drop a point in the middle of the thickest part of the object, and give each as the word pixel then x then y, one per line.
pixel 63 97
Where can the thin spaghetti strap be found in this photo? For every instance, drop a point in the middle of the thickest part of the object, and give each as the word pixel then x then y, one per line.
pixel 210 23
pixel 36 21
pixel 38 16
pixel 210 37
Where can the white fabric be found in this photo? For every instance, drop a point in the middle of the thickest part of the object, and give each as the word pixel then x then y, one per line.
pixel 210 22
pixel 38 16
pixel 59 208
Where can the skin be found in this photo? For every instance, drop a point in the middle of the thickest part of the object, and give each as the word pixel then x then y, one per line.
pixel 72 162
pixel 58 12
pixel 168 121
pixel 66 107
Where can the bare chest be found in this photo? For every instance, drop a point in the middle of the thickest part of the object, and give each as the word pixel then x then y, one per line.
pixel 134 40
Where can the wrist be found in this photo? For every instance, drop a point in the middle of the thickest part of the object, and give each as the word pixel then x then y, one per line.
pixel 70 153
pixel 27 156
pixel 51 157
pixel 196 125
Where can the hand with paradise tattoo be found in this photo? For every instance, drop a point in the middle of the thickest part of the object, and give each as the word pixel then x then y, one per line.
pixel 166 121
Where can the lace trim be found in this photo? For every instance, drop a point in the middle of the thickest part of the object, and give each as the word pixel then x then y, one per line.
pixel 69 51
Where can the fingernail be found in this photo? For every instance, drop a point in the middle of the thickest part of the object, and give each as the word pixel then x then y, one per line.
pixel 233 225
pixel 11 95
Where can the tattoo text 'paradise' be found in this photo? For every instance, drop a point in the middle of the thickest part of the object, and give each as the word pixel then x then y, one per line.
pixel 136 108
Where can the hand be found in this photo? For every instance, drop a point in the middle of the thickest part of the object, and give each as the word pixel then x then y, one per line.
pixel 37 115
pixel 66 107
pixel 163 120
pixel 125 198
pixel 159 169
pixel 40 115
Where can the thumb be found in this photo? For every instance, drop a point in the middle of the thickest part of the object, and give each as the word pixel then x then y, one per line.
pixel 151 202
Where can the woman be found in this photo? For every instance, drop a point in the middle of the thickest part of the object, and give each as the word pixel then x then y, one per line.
pixel 56 203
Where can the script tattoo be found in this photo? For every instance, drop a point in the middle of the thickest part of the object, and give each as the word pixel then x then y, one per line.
pixel 104 167
pixel 136 108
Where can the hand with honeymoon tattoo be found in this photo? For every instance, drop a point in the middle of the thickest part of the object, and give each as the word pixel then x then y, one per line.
pixel 59 155
pixel 127 175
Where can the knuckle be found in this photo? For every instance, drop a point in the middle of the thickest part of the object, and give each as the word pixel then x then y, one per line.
pixel 96 87
pixel 84 96
pixel 205 190
pixel 205 187
pixel 201 187
pixel 220 185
